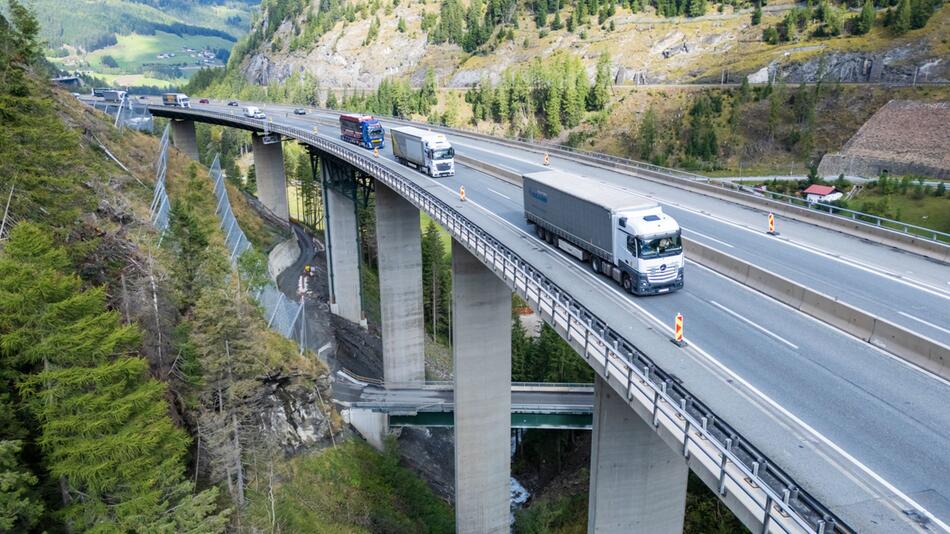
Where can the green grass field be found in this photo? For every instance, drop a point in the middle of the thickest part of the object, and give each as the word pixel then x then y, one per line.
pixel 133 51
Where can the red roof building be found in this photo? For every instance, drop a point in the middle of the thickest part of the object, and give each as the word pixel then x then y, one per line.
pixel 822 193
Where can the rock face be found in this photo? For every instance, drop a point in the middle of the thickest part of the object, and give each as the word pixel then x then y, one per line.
pixel 898 65
pixel 294 411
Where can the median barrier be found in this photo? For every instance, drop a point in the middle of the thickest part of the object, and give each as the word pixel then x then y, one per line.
pixel 702 185
pixel 493 170
pixel 920 351
pixel 897 340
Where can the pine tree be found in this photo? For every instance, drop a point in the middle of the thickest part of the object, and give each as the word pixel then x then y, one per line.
pixel 103 424
pixel 902 21
pixel 20 506
pixel 600 94
pixel 757 14
pixel 331 99
pixel 552 110
pixel 865 21
pixel 647 134
pixel 433 280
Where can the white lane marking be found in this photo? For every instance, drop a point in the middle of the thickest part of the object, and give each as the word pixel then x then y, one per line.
pixel 879 271
pixel 919 320
pixel 665 326
pixel 823 324
pixel 754 325
pixel 704 236
pixel 499 194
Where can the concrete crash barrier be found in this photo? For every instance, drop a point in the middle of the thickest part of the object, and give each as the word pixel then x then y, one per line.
pixel 897 340
pixel 493 170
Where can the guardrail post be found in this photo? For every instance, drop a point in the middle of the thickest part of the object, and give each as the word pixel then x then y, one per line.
pixel 637 482
pixel 481 325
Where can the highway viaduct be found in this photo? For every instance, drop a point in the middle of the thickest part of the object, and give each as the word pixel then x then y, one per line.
pixel 658 409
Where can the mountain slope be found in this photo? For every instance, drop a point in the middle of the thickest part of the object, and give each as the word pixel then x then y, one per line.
pixel 348 44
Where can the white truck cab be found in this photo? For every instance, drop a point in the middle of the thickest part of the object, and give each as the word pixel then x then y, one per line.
pixel 649 249
pixel 430 152
pixel 254 112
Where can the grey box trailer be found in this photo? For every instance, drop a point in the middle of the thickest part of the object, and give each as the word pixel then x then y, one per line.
pixel 624 236
pixel 575 208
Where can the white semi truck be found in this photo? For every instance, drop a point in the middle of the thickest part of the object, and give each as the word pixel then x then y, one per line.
pixel 427 151
pixel 620 234
pixel 180 100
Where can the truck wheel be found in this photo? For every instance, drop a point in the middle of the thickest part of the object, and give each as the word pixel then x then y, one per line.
pixel 627 283
pixel 539 231
pixel 595 264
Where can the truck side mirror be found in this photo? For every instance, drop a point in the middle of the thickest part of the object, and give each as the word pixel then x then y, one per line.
pixel 623 222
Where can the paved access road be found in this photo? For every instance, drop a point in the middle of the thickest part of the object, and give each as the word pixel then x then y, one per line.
pixel 865 433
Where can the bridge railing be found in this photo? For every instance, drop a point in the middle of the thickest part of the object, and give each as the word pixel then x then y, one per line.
pixel 708 442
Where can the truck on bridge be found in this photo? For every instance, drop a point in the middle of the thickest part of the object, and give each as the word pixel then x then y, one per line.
pixel 113 95
pixel 426 151
pixel 180 100
pixel 363 130
pixel 623 236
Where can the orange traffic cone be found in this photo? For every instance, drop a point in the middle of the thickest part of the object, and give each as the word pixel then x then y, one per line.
pixel 547 159
pixel 678 331
pixel 376 152
pixel 462 192
pixel 772 225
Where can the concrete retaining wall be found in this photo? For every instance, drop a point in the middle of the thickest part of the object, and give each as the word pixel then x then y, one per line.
pixel 282 257
pixel 916 349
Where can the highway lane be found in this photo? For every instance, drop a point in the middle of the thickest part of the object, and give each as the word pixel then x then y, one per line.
pixel 548 400
pixel 804 364
pixel 903 288
pixel 753 413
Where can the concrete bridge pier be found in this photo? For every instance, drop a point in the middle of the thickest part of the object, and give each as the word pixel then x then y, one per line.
pixel 342 242
pixel 184 138
pixel 637 482
pixel 271 180
pixel 481 326
pixel 399 244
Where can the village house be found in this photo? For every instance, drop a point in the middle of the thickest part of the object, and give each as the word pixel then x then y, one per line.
pixel 821 193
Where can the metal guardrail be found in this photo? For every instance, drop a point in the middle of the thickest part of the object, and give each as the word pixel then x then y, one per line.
pixel 741 469
pixel 631 164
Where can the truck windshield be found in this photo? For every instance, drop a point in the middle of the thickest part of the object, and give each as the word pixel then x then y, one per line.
pixel 660 247
pixel 444 153
pixel 375 131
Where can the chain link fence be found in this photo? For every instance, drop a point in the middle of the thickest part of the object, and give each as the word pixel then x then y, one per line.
pixel 282 314
pixel 158 210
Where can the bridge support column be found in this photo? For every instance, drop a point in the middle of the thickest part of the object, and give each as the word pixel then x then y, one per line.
pixel 399 242
pixel 271 180
pixel 481 326
pixel 343 251
pixel 184 138
pixel 637 482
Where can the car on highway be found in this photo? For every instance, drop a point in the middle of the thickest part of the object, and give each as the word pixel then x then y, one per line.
pixel 300 111
pixel 234 103
pixel 143 97
pixel 203 101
